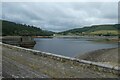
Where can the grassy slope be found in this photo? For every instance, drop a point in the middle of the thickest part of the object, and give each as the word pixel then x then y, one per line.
pixel 115 32
pixel 95 30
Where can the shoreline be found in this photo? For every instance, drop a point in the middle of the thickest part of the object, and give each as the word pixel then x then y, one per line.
pixel 107 56
pixel 109 39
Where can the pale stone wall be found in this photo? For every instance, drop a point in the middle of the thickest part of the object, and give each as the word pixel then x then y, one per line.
pixel 74 61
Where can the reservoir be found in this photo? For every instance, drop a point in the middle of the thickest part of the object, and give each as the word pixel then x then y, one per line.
pixel 69 47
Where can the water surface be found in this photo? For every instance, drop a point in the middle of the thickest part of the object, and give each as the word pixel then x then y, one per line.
pixel 69 47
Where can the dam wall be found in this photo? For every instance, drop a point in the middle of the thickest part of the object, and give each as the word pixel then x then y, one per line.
pixel 82 63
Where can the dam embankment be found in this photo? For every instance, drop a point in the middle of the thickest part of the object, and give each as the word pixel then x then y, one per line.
pixel 21 62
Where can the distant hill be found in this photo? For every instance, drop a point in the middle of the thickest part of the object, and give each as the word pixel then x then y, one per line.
pixel 106 30
pixel 15 29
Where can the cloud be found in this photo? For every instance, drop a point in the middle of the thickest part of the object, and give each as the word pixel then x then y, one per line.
pixel 60 16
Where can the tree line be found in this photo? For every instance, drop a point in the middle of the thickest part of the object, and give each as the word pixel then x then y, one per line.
pixel 15 29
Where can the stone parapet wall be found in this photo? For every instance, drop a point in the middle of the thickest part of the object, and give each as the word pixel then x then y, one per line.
pixel 83 63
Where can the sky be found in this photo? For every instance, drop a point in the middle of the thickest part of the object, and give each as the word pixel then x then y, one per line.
pixel 60 16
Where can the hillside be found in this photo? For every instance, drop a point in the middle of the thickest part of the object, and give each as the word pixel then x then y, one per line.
pixel 15 29
pixel 94 30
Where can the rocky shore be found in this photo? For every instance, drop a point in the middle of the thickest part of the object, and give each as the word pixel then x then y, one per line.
pixel 107 56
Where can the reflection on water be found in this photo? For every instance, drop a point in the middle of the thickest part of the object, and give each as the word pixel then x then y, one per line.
pixel 69 47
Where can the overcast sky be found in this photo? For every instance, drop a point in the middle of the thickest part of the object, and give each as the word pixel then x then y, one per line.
pixel 61 16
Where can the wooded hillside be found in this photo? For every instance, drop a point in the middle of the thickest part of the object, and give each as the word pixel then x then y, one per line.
pixel 15 29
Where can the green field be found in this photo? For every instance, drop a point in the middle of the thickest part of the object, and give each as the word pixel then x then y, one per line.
pixel 100 30
pixel 105 32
